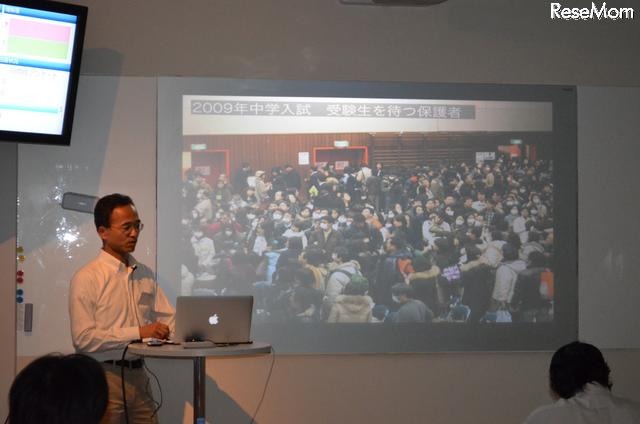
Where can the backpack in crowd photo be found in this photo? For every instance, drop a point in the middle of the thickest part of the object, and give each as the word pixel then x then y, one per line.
pixel 354 277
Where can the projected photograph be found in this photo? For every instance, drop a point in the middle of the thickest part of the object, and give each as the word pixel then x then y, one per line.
pixel 359 217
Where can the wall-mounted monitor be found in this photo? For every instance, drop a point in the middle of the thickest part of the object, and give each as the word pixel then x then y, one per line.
pixel 456 202
pixel 40 51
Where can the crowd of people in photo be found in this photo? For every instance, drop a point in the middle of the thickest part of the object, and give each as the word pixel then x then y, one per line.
pixel 456 242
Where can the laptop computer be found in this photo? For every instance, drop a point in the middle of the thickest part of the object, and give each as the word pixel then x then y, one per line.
pixel 213 319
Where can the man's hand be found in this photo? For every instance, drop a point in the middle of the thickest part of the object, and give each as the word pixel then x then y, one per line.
pixel 155 329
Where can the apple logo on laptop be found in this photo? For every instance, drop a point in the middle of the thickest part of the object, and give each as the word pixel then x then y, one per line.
pixel 213 319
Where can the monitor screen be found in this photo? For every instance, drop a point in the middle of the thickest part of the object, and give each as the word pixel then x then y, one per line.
pixel 374 216
pixel 40 51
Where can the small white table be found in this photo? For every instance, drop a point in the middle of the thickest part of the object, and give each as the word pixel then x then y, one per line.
pixel 199 356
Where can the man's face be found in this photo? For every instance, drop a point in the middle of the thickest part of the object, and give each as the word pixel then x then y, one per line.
pixel 121 237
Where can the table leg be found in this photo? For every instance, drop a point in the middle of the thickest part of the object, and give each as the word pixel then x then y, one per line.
pixel 199 384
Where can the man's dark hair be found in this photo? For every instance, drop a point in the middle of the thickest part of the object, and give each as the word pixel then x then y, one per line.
pixel 574 365
pixel 106 205
pixel 343 253
pixel 59 389
pixel 509 252
pixel 398 242
pixel 476 231
pixel 305 277
pixel 472 251
pixel 314 256
pixel 327 218
pixel 536 259
pixel 400 289
pixel 533 236
pixel 306 296
pixel 295 243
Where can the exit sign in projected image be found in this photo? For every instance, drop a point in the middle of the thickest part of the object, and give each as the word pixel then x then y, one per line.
pixel 36 49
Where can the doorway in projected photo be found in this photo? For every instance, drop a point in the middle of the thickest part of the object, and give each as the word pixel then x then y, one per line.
pixel 341 157
pixel 210 164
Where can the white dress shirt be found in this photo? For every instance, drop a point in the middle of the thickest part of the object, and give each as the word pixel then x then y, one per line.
pixel 594 405
pixel 109 301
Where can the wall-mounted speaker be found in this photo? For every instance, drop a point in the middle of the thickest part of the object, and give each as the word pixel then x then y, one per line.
pixel 79 202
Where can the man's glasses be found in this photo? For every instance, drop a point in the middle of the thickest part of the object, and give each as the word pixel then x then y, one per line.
pixel 128 228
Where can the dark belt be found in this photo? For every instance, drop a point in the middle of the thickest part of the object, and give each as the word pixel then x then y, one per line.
pixel 137 363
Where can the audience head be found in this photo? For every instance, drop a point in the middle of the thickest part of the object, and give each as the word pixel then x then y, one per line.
pixel 574 365
pixel 57 389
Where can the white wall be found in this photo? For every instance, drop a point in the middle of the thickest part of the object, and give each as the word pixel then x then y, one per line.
pixel 608 193
pixel 492 41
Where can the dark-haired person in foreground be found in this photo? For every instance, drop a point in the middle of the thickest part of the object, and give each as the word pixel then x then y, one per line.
pixel 579 380
pixel 114 300
pixel 57 389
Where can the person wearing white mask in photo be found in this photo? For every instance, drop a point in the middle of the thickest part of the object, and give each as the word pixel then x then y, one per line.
pixel 295 230
pixel 513 214
pixel 459 225
pixel 282 221
pixel 341 223
pixel 325 238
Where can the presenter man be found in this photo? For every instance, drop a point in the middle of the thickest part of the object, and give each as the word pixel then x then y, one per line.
pixel 114 300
